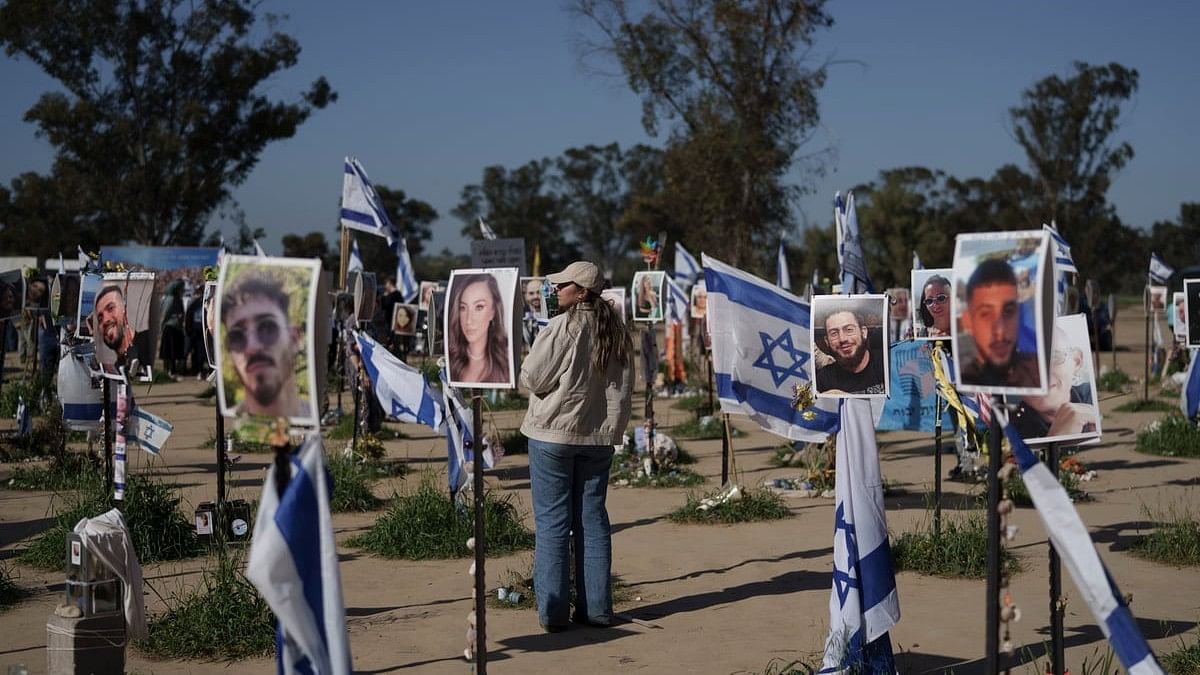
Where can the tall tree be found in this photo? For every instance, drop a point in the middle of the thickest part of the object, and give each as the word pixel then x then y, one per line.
pixel 311 245
pixel 162 109
pixel 735 81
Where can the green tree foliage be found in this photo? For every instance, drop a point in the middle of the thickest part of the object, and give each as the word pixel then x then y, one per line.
pixel 48 206
pixel 412 218
pixel 311 245
pixel 161 110
pixel 1178 242
pixel 734 81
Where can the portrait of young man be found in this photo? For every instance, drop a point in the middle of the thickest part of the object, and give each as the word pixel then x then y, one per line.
pixel 264 338
pixel 849 345
pixel 121 321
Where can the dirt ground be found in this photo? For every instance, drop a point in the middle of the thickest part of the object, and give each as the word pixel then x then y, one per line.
pixel 724 599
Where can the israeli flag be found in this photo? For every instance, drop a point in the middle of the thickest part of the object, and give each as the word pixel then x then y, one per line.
pixel 24 421
pixel 486 230
pixel 356 263
pixel 1189 398
pixel 851 262
pixel 405 276
pixel 361 207
pixel 148 430
pixel 294 565
pixel 864 603
pixel 258 250
pixel 687 270
pixel 1070 538
pixel 783 278
pixel 760 346
pixel 400 388
pixel 1063 261
pixel 1159 270
pixel 678 308
pixel 460 436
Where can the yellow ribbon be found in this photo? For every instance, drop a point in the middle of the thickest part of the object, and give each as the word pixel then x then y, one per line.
pixel 964 417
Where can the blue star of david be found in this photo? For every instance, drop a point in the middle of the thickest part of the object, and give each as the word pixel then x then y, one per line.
pixel 766 360
pixel 842 581
pixel 399 409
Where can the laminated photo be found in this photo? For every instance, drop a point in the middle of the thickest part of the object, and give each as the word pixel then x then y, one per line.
pixel 1069 412
pixel 899 317
pixel 931 310
pixel 427 289
pixel 404 319
pixel 615 297
pixel 124 321
pixel 1191 310
pixel 209 321
pixel 1179 316
pixel 12 295
pixel 1158 299
pixel 1003 312
pixel 89 286
pixel 533 295
pixel 849 336
pixel 480 328
pixel 699 300
pixel 648 290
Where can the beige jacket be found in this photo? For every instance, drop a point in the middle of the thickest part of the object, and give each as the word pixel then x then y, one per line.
pixel 568 403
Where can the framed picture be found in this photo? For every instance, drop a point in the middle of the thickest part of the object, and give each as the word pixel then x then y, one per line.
pixel 64 298
pixel 425 293
pixel 265 341
pixel 480 327
pixel 616 298
pixel 1069 411
pixel 89 286
pixel 404 319
pixel 37 294
pixel 364 290
pixel 208 320
pixel 1179 316
pixel 699 300
pixel 931 310
pixel 1003 310
pixel 648 295
pixel 434 322
pixel 533 294
pixel 1191 310
pixel 849 347
pixel 12 294
pixel 124 320
pixel 899 314
pixel 1158 299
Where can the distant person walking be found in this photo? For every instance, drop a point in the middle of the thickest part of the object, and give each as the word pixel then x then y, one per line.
pixel 580 379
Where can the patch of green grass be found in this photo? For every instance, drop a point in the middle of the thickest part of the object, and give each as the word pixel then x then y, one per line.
pixel 807 666
pixel 37 393
pixel 10 592
pixel 426 524
pixel 158 528
pixel 755 505
pixel 1113 379
pixel 351 484
pixel 1171 436
pixel 223 618
pixel 343 430
pixel 629 467
pixel 1019 493
pixel 695 429
pixel 1185 660
pixel 1143 405
pixel 1176 536
pixel 48 437
pixel 959 551
pixel 813 460
pixel 429 369
pixel 71 472
pixel 692 402
pixel 523 584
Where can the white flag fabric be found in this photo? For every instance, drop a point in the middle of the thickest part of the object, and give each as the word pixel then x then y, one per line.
pixel 864 603
pixel 760 351
pixel 917 261
pixel 1160 271
pixel 687 270
pixel 1062 250
pixel 486 230
pixel 1074 545
pixel 405 275
pixel 355 263
pixel 678 307
pixel 852 264
pixel 460 436
pixel 294 565
pixel 401 389
pixel 783 278
pixel 258 250
pixel 1189 397
pixel 148 430
pixel 361 207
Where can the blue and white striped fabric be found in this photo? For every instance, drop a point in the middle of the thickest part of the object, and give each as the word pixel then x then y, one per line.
pixel 294 565
pixel 783 278
pixel 460 436
pixel 760 351
pixel 851 262
pixel 864 603
pixel 355 264
pixel 405 275
pixel 917 261
pixel 678 307
pixel 148 430
pixel 1189 398
pixel 687 270
pixel 361 206
pixel 486 230
pixel 258 250
pixel 1062 251
pixel 400 388
pixel 1160 271
pixel 1070 538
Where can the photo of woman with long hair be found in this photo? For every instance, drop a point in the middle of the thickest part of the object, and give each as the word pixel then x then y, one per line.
pixel 478 347
pixel 647 296
pixel 931 309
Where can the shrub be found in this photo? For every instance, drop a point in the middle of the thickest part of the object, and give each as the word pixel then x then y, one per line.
pixel 959 551
pixel 222 618
pixel 10 592
pixel 628 467
pixel 1019 493
pixel 1113 379
pixel 1171 436
pixel 754 505
pixel 351 489
pixel 702 429
pixel 71 472
pixel 38 394
pixel 1144 405
pixel 48 437
pixel 426 524
pixel 1185 660
pixel 1176 536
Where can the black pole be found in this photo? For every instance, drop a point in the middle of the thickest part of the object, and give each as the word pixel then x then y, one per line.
pixel 3 348
pixel 712 408
pixel 36 352
pixel 992 641
pixel 354 438
pixel 1057 656
pixel 107 430
pixel 480 540
pixel 937 467
pixel 1146 381
pixel 221 468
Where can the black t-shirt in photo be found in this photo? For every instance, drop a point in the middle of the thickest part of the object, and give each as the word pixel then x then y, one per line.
pixel 867 381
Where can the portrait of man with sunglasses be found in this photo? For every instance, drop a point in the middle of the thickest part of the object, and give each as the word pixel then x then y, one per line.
pixel 262 347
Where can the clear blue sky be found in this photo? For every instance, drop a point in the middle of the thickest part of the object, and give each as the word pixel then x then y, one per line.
pixel 430 93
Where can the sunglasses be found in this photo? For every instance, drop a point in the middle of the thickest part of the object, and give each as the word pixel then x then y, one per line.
pixel 266 331
pixel 565 284
pixel 939 299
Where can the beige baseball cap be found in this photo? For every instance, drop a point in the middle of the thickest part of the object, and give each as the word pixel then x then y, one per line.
pixel 582 273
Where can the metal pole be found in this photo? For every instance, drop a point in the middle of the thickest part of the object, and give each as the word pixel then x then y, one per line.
pixel 3 348
pixel 992 641
pixel 480 540
pixel 36 352
pixel 108 413
pixel 1057 649
pixel 354 438
pixel 937 467
pixel 221 468
pixel 1146 363
pixel 712 409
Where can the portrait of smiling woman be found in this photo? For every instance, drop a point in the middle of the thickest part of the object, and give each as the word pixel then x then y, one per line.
pixel 478 318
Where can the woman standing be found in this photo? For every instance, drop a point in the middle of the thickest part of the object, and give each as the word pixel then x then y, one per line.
pixel 476 331
pixel 580 380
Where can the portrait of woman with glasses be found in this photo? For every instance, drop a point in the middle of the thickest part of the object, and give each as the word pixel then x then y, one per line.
pixel 479 308
pixel 264 338
pixel 931 319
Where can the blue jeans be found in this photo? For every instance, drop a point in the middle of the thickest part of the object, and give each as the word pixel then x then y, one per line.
pixel 569 485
